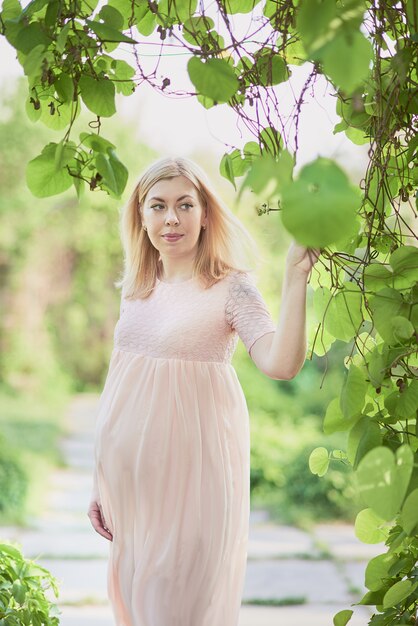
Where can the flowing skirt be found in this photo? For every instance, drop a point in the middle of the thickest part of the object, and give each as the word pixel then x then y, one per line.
pixel 172 466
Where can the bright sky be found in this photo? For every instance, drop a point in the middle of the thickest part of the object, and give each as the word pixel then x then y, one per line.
pixel 180 125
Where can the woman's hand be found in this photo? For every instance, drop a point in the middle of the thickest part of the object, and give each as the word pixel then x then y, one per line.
pixel 300 258
pixel 97 520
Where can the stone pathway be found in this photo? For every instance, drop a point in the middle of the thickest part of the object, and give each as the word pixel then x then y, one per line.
pixel 312 575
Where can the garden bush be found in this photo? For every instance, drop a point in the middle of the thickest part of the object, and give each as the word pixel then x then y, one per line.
pixel 23 587
pixel 326 497
pixel 13 480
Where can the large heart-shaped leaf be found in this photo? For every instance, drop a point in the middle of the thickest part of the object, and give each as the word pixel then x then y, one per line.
pixel 383 479
pixel 319 208
pixel 215 78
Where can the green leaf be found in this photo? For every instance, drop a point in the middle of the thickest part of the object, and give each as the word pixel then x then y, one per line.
pixel 113 171
pixel 120 172
pixel 33 7
pixel 98 95
pixel 404 261
pixel 353 392
pixel 319 340
pixel 176 12
pixel 268 173
pixel 377 571
pixel 51 13
pixel 124 8
pixel 227 167
pixel 342 617
pixel 62 37
pixel 12 551
pixel 19 591
pixel 145 20
pixel 373 597
pixel 376 366
pixel 383 479
pixel 294 53
pixel 10 9
pixel 343 317
pixel 64 87
pixel 398 592
pixel 107 33
pixel 111 17
pixel 105 169
pixel 319 461
pixel 385 304
pixel 319 208
pixel 33 110
pixel 364 436
pixel 376 276
pixel 271 68
pixel 313 19
pixel 334 420
pixel 31 36
pixel 195 28
pixel 346 59
pixel 41 176
pixel 271 140
pixel 369 527
pixel 96 142
pixel 402 328
pixel 32 65
pixel 55 115
pixel 240 6
pixel 357 136
pixel 407 404
pixel 409 515
pixel 215 78
pixel 122 69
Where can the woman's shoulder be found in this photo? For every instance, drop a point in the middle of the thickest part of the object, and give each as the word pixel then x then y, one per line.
pixel 241 278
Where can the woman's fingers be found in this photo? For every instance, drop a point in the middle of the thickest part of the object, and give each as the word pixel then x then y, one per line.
pixel 96 516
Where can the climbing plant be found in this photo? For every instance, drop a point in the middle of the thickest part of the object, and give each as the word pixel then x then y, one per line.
pixel 366 291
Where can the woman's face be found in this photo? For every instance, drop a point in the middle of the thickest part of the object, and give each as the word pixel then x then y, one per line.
pixel 172 207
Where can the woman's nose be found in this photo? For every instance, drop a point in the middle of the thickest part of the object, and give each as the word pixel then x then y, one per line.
pixel 172 217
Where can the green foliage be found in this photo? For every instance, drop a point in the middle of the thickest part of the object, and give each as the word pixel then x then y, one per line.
pixel 321 185
pixel 30 430
pixel 13 480
pixel 65 58
pixel 23 591
pixel 367 292
pixel 215 78
pixel 326 497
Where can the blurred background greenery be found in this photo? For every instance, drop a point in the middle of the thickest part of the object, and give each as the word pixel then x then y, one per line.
pixel 59 259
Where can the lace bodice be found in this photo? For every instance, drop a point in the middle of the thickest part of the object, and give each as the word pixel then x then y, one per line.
pixel 187 321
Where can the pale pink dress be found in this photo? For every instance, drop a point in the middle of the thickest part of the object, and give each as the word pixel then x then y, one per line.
pixel 172 453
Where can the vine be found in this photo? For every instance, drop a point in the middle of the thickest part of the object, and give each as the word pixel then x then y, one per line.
pixel 366 291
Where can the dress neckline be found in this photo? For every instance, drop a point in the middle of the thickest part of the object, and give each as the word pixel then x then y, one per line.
pixel 181 282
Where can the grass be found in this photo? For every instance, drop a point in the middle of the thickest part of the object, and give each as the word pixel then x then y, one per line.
pixel 287 601
pixel 31 429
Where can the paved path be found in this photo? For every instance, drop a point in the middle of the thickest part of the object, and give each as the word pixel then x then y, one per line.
pixel 312 575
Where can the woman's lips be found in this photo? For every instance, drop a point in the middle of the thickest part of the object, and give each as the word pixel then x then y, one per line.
pixel 172 237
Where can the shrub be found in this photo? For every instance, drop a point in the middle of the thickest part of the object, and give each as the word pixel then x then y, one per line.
pixel 330 496
pixel 13 480
pixel 23 584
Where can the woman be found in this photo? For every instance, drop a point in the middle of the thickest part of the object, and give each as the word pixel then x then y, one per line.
pixel 172 450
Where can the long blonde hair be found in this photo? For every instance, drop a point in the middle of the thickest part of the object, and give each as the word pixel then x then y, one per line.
pixel 225 244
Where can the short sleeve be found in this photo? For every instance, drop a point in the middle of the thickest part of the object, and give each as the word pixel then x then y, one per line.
pixel 245 310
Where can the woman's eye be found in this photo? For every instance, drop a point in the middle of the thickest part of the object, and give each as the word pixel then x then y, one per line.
pixel 161 206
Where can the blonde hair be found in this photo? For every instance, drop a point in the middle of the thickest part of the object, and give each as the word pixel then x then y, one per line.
pixel 225 244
